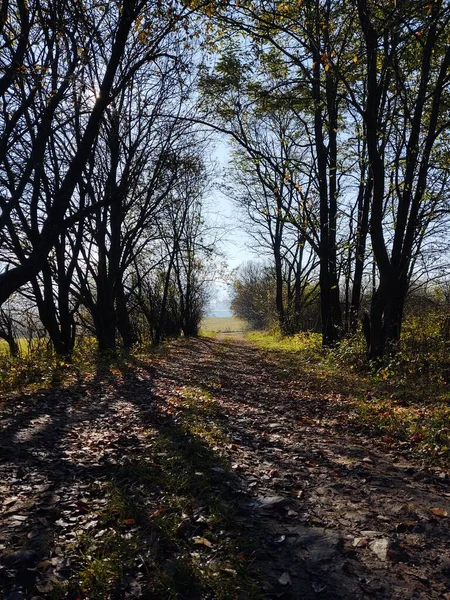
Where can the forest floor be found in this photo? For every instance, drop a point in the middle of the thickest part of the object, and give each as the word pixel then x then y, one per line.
pixel 211 470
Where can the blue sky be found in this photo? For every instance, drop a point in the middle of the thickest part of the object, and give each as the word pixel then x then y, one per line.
pixel 221 211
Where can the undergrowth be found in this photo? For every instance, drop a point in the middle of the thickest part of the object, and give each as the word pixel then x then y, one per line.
pixel 38 367
pixel 404 399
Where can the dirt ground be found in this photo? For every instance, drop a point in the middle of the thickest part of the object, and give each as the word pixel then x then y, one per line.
pixel 330 513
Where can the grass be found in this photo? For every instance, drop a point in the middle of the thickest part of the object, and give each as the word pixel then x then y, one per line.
pixel 211 325
pixel 170 518
pixel 24 346
pixel 405 401
pixel 39 368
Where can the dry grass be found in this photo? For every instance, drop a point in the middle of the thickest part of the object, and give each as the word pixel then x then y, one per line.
pixel 211 325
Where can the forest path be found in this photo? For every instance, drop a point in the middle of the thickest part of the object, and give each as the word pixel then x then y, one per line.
pixel 318 509
pixel 336 515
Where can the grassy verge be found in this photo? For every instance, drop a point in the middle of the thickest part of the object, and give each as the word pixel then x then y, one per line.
pixel 405 401
pixel 38 367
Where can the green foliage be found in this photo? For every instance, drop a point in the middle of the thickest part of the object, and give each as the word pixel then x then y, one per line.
pixel 35 368
pixel 253 300
pixel 38 367
pixel 424 354
pixel 405 399
pixel 307 345
pixel 254 296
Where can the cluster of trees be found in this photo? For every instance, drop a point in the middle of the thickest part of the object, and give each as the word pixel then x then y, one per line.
pixel 254 298
pixel 340 112
pixel 102 175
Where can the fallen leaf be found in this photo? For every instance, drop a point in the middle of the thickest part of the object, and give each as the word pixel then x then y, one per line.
pixel 380 548
pixel 129 521
pixel 360 542
pixel 202 541
pixel 285 579
pixel 297 493
pixel 10 501
pixel 439 512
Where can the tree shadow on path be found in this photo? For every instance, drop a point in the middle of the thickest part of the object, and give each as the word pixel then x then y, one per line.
pixel 202 475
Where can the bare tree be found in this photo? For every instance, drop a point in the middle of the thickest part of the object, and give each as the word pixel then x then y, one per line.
pixel 54 51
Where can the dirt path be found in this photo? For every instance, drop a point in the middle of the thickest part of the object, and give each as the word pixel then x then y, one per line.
pixel 325 511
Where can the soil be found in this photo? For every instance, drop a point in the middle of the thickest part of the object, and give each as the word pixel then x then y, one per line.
pixel 331 512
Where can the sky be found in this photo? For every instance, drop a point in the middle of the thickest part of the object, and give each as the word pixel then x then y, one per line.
pixel 220 211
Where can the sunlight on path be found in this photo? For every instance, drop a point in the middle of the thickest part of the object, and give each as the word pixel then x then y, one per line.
pixel 214 457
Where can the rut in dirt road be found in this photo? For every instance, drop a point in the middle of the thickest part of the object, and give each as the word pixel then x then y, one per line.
pixel 207 472
pixel 336 514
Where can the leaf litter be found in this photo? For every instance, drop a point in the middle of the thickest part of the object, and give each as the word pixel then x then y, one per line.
pixel 278 494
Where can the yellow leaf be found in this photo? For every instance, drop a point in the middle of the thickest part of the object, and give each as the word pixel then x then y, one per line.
pixel 202 541
pixel 355 59
pixel 439 512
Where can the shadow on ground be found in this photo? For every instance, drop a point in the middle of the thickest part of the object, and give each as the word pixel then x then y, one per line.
pixel 203 474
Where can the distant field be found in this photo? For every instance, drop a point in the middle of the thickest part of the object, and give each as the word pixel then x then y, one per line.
pixel 222 325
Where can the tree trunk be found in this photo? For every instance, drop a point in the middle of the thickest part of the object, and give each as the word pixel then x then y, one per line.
pixel 105 328
pixel 361 238
pixel 7 333
pixel 124 325
pixel 279 289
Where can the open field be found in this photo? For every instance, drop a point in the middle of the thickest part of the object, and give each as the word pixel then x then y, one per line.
pixel 222 325
pixel 209 325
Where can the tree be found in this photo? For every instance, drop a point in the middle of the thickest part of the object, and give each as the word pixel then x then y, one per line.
pixel 133 171
pixel 7 331
pixel 303 44
pixel 274 208
pixel 407 54
pixel 369 91
pixel 52 52
pixel 253 295
pixel 168 275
